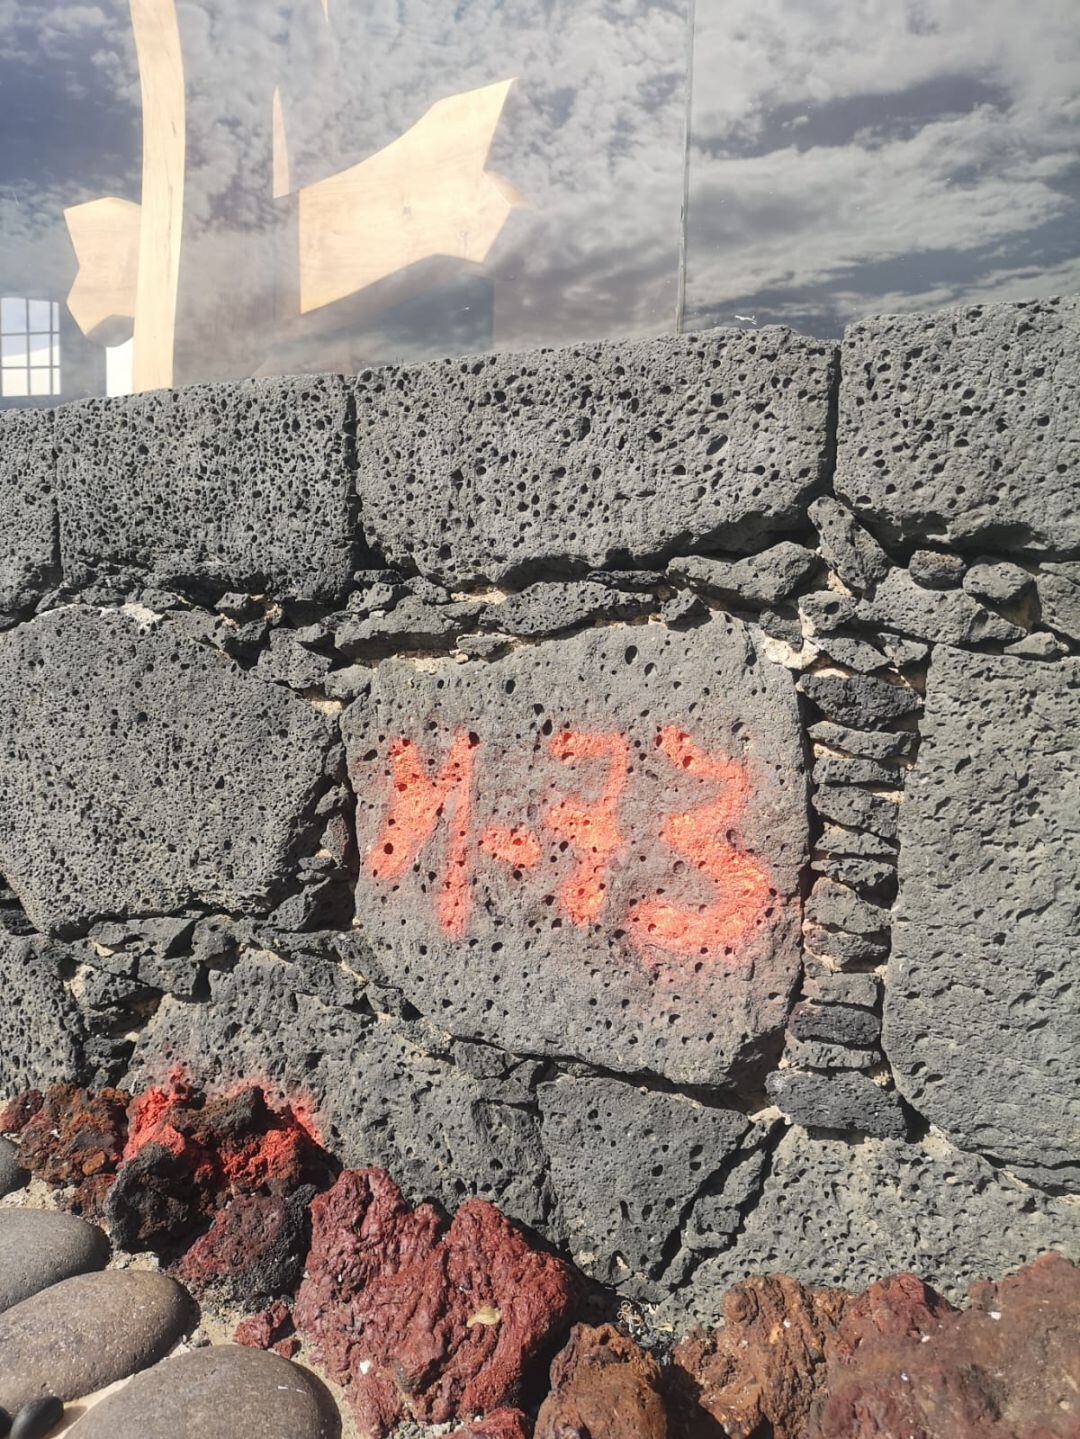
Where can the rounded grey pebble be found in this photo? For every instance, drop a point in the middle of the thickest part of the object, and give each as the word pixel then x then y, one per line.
pixel 34 1420
pixel 12 1174
pixel 38 1248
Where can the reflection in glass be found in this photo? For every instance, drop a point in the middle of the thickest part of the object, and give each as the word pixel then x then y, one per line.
pixel 853 158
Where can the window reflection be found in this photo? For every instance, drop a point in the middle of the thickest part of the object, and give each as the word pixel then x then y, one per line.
pixel 29 348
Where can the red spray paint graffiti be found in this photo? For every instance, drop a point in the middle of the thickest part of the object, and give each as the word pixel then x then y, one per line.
pixel 588 827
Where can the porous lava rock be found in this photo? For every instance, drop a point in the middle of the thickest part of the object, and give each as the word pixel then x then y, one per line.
pixel 253 1251
pixel 957 426
pixel 418 1319
pixel 603 1386
pixel 42 1031
pixel 142 771
pixel 756 1375
pixel 979 1010
pixel 591 846
pixel 75 1140
pixel 271 1328
pixel 497 466
pixel 28 526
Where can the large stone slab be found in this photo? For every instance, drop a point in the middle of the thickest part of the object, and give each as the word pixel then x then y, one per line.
pixel 960 426
pixel 40 1247
pixel 41 1027
pixel 589 847
pixel 142 772
pixel 247 485
pixel 496 465
pixel 980 1004
pixel 28 528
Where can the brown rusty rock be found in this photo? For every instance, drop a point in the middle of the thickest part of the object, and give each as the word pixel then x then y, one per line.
pixel 500 1424
pixel 906 1365
pixel 418 1320
pixel 253 1252
pixel 756 1377
pixel 271 1328
pixel 603 1386
pixel 75 1140
pixel 18 1112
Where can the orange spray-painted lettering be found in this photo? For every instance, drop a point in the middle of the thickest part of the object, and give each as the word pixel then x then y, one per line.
pixel 591 826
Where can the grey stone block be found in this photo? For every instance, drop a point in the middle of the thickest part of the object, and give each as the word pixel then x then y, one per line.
pixel 495 466
pixel 834 1023
pixel 853 654
pixel 41 1028
pixel 960 426
pixel 980 1006
pixel 412 624
pixel 948 617
pixel 841 908
pixel 378 1095
pixel 936 569
pixel 839 769
pixel 858 808
pixel 849 550
pixel 634 959
pixel 625 1166
pixel 817 1054
pixel 1039 645
pixel 998 582
pixel 142 772
pixel 549 607
pixel 836 839
pixel 826 610
pixel 29 547
pixel 861 989
pixel 762 579
pixel 844 948
pixel 1059 599
pixel 874 744
pixel 835 1213
pixel 847 1101
pixel 859 700
pixel 860 874
pixel 247 485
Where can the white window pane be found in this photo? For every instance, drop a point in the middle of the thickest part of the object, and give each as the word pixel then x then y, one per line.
pixel 56 350
pixel 55 315
pixel 41 382
pixel 14 383
pixel 13 315
pixel 40 349
pixel 13 350
pixel 40 315
pixel 56 381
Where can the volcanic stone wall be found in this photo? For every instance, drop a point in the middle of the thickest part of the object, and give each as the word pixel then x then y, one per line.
pixel 636 784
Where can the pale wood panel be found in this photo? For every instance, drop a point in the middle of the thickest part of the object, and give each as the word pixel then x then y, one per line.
pixel 426 194
pixel 281 185
pixel 161 77
pixel 105 237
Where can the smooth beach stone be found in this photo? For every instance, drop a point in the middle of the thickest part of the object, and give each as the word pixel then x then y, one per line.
pixel 36 1419
pixel 216 1393
pixel 89 1331
pixel 12 1175
pixel 38 1248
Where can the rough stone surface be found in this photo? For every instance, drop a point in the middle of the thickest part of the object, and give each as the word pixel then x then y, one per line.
pixel 835 1023
pixel 1059 599
pixel 948 617
pixel 216 1393
pixel 547 608
pixel 626 1164
pixel 858 809
pixel 817 1054
pixel 980 1007
pixel 415 1319
pixel 936 569
pixel 633 744
pixel 264 464
pixel 12 1174
pixel 39 1247
pixel 859 700
pixel 850 551
pixel 846 1101
pixel 28 527
pixel 89 1331
pixel 603 1385
pixel 142 772
pixel 835 905
pixel 41 1029
pixel 841 1214
pixel 959 426
pixel 253 1251
pixel 75 1140
pixel 489 467
pixel 762 579
pixel 998 583
pixel 874 744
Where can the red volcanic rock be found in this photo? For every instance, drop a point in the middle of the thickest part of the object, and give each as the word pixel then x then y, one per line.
pixel 254 1250
pixel 756 1377
pixel 416 1319
pixel 603 1386
pixel 906 1365
pixel 272 1329
pixel 500 1424
pixel 18 1112
pixel 75 1139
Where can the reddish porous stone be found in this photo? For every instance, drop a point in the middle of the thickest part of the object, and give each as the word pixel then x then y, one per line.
pixel 906 1365
pixel 18 1112
pixel 75 1140
pixel 272 1328
pixel 253 1251
pixel 416 1319
pixel 605 1387
pixel 757 1376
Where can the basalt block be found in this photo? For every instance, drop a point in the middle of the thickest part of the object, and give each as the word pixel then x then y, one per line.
pixel 28 525
pixel 493 466
pixel 142 772
pixel 959 426
pixel 42 1031
pixel 591 846
pixel 980 999
pixel 265 466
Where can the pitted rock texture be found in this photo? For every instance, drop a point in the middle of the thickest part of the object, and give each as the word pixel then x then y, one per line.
pixel 959 426
pixel 626 1167
pixel 29 551
pixel 540 861
pixel 982 989
pixel 494 466
pixel 142 772
pixel 240 486
pixel 603 1385
pixel 41 1027
pixel 383 1095
pixel 837 1213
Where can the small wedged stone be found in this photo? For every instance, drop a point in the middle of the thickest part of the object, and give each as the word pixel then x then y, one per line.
pixel 998 582
pixel 39 1248
pixel 848 1101
pixel 936 569
pixel 851 551
pixel 549 607
pixel 411 625
pixel 835 1023
pixel 1041 645
pixel 838 907
pixel 902 651
pixel 859 874
pixel 1059 598
pixel 836 988
pixel 858 808
pixel 873 744
pixel 845 948
pixel 89 1331
pixel 762 579
pixel 947 617
pixel 826 610
pixel 839 840
pixel 216 1393
pixel 839 769
pixel 820 1054
pixel 35 1420
pixel 859 700
pixel 853 654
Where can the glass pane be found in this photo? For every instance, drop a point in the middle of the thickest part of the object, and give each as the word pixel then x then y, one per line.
pixel 14 383
pixel 13 316
pixel 40 349
pixel 41 382
pixel 13 350
pixel 889 155
pixel 40 314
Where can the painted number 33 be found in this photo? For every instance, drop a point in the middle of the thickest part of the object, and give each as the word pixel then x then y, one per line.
pixel 590 827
